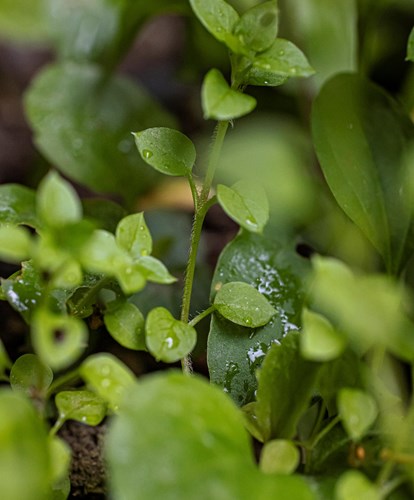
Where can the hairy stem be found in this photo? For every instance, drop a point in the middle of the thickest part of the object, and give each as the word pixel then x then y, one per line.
pixel 201 208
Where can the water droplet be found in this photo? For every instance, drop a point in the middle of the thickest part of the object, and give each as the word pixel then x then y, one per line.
pixel 146 153
pixel 105 371
pixel 266 82
pixel 218 29
pixel 83 419
pixel 281 53
pixel 351 126
pixel 128 270
pixel 144 252
pixel 248 320
pixel 251 221
pixel 105 383
pixel 266 66
pixel 293 71
pixel 141 228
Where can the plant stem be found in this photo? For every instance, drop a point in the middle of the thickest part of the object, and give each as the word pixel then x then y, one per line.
pixel 63 380
pixel 201 208
pixel 201 316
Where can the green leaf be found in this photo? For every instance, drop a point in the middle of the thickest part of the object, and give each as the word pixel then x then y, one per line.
pixel 285 387
pixel 57 201
pixel 354 484
pixel 154 270
pixel 246 203
pixel 5 363
pixel 257 27
pixel 410 47
pixel 320 21
pixel 24 455
pixel 30 376
pixel 132 234
pixel 17 205
pixel 319 340
pixel 234 352
pixel 219 18
pixel 60 453
pixel 167 150
pixel 23 22
pixel 125 323
pixel 82 406
pixel 281 61
pixel 82 121
pixel 15 244
pixel 358 411
pixel 108 377
pixel 279 456
pixel 102 254
pixel 242 304
pixel 220 102
pixel 361 137
pixel 206 439
pixel 59 340
pixel 168 339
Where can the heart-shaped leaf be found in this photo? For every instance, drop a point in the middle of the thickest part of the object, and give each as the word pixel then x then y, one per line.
pixel 362 137
pixel 246 203
pixel 220 102
pixel 167 150
pixel 358 411
pixel 82 406
pixel 168 339
pixel 242 304
pixel 235 352
pixel 108 377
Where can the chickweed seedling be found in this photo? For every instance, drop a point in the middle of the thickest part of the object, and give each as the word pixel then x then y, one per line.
pixel 313 358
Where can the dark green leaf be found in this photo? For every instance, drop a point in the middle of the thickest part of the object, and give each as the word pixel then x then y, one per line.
pixel 57 201
pixel 410 47
pixel 59 340
pixel 257 27
pixel 24 455
pixel 219 18
pixel 30 376
pixel 108 377
pixel 285 387
pixel 246 203
pixel 106 213
pixel 15 244
pixel 83 406
pixel 220 102
pixel 125 323
pixel 5 362
pixel 17 205
pixel 82 123
pixel 361 137
pixel 235 352
pixel 205 437
pixel 168 339
pixel 358 411
pixel 242 304
pixel 167 150
pixel 132 235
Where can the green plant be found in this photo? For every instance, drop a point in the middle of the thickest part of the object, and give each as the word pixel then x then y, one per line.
pixel 310 358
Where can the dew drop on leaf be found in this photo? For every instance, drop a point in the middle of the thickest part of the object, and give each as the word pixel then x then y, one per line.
pixel 146 153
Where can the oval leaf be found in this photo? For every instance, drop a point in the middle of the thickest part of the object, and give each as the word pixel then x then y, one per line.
pixel 30 376
pixel 168 339
pixel 235 352
pixel 17 205
pixel 82 406
pixel 167 150
pixel 132 234
pixel 319 340
pixel 354 484
pixel 24 454
pixel 108 377
pixel 257 27
pixel 154 270
pixel 361 137
pixel 15 244
pixel 358 411
pixel 279 456
pixel 242 304
pixel 220 102
pixel 246 203
pixel 126 325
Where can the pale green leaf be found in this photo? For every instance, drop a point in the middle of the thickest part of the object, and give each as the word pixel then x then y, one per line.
pixel 15 244
pixel 220 102
pixel 82 406
pixel 23 21
pixel 279 456
pixel 246 203
pixel 60 453
pixel 354 484
pixel 125 323
pixel 242 304
pixel 168 339
pixel 132 234
pixel 167 150
pixel 358 411
pixel 257 27
pixel 154 270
